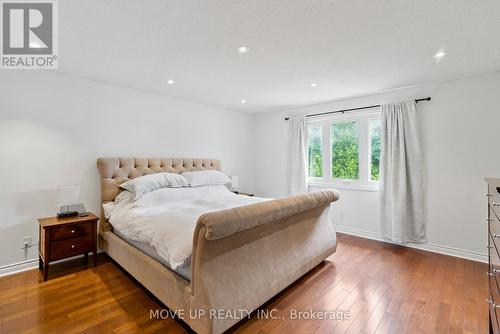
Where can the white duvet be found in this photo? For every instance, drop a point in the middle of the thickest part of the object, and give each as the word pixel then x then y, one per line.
pixel 166 218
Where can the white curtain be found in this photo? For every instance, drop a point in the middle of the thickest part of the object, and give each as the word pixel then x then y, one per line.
pixel 297 156
pixel 401 174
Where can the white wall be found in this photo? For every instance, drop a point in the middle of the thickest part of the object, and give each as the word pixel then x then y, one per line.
pixel 460 130
pixel 54 126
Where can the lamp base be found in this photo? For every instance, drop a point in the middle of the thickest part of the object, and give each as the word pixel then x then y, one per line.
pixel 67 214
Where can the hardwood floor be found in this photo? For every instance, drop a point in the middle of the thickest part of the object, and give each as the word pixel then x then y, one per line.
pixel 384 288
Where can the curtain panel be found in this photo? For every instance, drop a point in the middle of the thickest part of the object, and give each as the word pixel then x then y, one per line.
pixel 297 155
pixel 401 183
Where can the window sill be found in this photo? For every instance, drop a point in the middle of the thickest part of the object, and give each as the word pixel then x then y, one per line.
pixel 335 185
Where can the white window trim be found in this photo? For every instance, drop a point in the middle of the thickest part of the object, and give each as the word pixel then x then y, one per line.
pixel 337 185
pixel 364 182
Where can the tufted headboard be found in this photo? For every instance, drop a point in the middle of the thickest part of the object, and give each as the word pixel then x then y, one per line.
pixel 115 171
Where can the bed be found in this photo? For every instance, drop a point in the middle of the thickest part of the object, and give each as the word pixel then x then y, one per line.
pixel 240 257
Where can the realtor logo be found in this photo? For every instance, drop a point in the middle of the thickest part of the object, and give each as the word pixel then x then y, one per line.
pixel 29 35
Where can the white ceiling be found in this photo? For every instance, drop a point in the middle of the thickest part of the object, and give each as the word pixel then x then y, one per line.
pixel 347 47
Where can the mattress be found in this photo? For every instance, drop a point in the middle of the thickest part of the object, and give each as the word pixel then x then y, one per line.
pixel 184 271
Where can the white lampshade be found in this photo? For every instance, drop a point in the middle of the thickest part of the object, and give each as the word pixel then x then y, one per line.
pixel 68 195
pixel 235 182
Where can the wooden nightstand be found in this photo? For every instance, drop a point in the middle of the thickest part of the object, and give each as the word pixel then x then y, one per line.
pixel 243 194
pixel 65 237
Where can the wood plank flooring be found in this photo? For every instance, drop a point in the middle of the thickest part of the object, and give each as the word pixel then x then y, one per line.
pixel 381 287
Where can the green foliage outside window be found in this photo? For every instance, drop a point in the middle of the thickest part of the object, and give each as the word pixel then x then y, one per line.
pixel 375 148
pixel 314 155
pixel 345 150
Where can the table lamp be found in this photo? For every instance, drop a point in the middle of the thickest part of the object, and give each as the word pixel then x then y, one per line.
pixel 68 196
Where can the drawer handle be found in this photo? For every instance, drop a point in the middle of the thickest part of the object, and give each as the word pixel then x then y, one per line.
pixel 72 246
pixel 493 305
pixel 72 231
pixel 496 235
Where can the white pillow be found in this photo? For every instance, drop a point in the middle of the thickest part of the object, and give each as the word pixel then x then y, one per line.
pixel 206 177
pixel 124 196
pixel 148 183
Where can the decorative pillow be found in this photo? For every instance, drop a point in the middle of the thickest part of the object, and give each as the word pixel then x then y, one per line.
pixel 124 196
pixel 148 183
pixel 206 177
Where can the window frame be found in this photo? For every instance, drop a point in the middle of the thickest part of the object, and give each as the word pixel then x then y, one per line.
pixel 364 155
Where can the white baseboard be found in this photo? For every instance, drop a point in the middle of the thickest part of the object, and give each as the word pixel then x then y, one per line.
pixel 18 267
pixel 446 250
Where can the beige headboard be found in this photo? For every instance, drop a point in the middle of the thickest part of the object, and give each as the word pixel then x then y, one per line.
pixel 115 171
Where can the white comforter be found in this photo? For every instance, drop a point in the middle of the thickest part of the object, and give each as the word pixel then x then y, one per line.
pixel 165 219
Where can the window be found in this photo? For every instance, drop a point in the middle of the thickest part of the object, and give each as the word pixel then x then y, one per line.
pixel 315 158
pixel 344 150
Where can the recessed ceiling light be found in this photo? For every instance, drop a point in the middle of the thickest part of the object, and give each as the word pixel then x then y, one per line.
pixel 170 81
pixel 313 84
pixel 243 101
pixel 439 55
pixel 243 49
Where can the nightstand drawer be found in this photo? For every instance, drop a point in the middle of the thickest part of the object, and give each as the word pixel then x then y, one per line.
pixel 71 231
pixel 70 247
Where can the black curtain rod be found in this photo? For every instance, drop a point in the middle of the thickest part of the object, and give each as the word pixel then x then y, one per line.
pixel 359 108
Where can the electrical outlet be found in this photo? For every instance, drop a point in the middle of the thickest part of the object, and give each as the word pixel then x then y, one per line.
pixel 27 241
